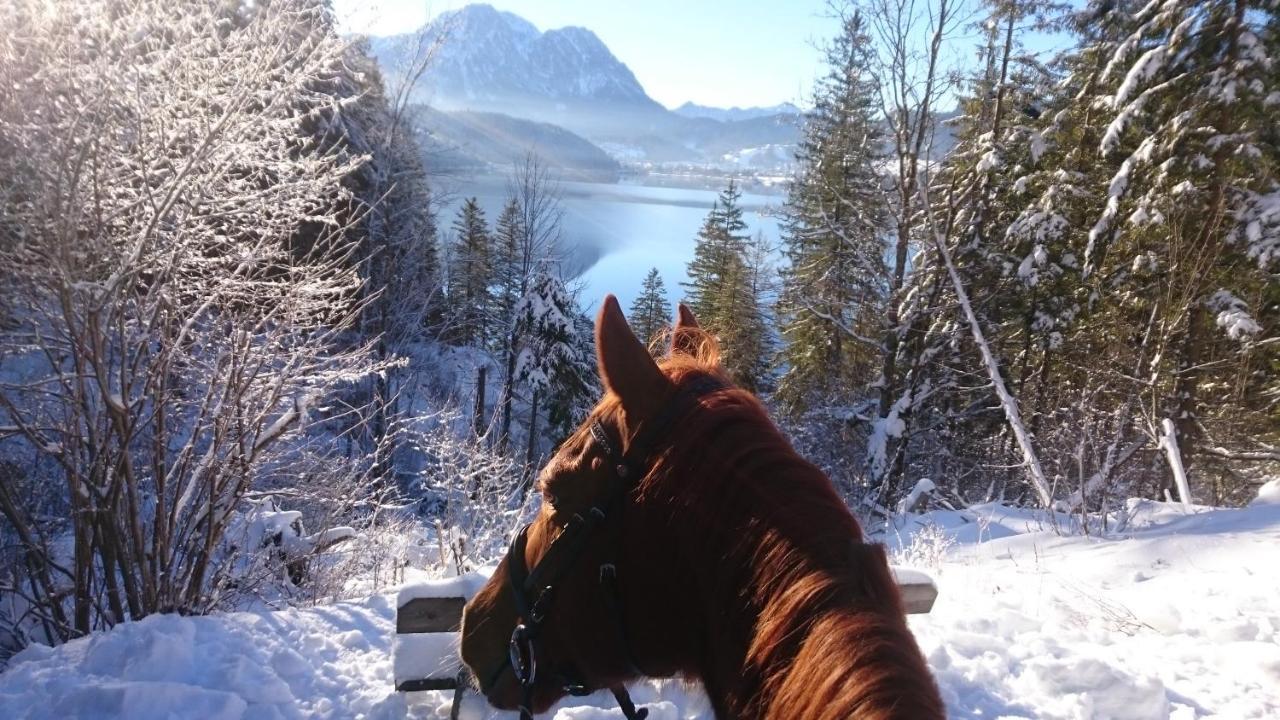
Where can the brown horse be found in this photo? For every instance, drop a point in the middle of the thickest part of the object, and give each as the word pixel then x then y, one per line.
pixel 737 563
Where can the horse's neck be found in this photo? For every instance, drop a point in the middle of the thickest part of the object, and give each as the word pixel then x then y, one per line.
pixel 801 619
pixel 825 647
pixel 854 664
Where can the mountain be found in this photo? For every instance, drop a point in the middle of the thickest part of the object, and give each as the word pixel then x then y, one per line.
pixel 479 141
pixel 693 110
pixel 493 61
pixel 489 61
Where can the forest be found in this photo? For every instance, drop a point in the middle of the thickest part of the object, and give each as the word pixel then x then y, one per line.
pixel 246 358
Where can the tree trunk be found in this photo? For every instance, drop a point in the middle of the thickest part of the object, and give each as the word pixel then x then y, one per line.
pixel 508 389
pixel 478 415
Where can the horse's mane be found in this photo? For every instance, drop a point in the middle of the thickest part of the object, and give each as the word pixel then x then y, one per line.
pixel 821 626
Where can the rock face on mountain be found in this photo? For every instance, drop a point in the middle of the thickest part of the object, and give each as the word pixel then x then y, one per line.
pixel 493 61
pixel 489 61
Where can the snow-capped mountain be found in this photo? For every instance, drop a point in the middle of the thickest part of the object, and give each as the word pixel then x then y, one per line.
pixel 496 61
pixel 693 110
pixel 490 61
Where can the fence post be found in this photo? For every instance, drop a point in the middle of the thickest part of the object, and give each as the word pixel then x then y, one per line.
pixel 478 413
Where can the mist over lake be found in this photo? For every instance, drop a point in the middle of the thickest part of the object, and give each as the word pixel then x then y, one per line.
pixel 614 232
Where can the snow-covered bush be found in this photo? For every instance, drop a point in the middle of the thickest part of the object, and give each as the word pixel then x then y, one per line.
pixel 174 240
pixel 927 547
pixel 468 490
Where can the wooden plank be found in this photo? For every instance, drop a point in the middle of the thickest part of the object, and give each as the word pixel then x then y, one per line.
pixel 918 596
pixel 440 683
pixel 430 615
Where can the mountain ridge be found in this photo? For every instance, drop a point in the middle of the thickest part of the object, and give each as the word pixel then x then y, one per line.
pixel 695 110
pixel 491 61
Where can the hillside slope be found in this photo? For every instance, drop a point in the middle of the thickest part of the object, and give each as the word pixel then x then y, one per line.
pixel 484 141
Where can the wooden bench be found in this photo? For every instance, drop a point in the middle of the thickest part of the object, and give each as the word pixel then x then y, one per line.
pixel 429 617
pixel 425 651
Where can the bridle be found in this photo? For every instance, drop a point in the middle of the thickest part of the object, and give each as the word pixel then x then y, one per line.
pixel 534 588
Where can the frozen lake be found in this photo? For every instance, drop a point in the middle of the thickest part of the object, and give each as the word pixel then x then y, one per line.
pixel 614 233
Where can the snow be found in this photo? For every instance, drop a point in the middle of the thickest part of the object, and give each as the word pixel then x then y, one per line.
pixel 1269 493
pixel 1169 614
pixel 1233 315
pixel 923 486
pixel 464 586
pixel 325 662
pixel 1147 66
pixel 1169 441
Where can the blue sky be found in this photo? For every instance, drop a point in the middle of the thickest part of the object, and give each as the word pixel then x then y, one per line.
pixel 713 52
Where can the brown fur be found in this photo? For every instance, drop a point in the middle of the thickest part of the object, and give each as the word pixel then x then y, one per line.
pixel 740 565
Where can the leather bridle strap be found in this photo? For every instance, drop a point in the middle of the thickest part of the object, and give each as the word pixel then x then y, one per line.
pixel 534 589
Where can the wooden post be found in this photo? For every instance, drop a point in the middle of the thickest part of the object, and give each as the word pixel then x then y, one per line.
pixel 478 419
pixel 532 444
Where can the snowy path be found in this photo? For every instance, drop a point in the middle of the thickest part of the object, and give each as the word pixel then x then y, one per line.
pixel 1177 618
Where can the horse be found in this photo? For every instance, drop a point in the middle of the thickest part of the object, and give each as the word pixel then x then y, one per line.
pixel 680 534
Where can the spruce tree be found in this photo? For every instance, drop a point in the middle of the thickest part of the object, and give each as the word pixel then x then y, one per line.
pixel 723 293
pixel 832 290
pixel 508 276
pixel 555 359
pixel 708 269
pixel 1020 287
pixel 751 336
pixel 651 312
pixel 470 277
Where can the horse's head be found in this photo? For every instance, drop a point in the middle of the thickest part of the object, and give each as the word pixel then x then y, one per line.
pixel 596 628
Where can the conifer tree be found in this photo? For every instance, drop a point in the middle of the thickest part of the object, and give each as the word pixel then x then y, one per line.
pixel 470 277
pixel 508 275
pixel 832 291
pixel 1020 287
pixel 721 293
pixel 651 312
pixel 751 336
pixel 708 269
pixel 555 358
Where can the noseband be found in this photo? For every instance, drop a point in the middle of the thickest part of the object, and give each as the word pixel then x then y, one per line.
pixel 534 589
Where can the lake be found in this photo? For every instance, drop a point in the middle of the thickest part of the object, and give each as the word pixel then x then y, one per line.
pixel 614 233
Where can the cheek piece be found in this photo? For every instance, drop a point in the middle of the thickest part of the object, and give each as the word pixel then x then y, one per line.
pixel 534 589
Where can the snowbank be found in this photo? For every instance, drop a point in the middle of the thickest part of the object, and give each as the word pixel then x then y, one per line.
pixel 327 662
pixel 1175 616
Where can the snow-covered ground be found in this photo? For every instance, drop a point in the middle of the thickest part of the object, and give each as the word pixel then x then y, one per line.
pixel 1174 615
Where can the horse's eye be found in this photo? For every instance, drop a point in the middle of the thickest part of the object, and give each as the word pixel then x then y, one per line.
pixel 552 499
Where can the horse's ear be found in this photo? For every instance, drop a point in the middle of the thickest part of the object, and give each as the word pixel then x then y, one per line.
pixel 686 334
pixel 626 367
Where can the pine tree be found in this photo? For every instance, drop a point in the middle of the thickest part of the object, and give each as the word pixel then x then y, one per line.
pixel 751 336
pixel 832 293
pixel 508 276
pixel 555 358
pixel 708 269
pixel 720 290
pixel 470 277
pixel 651 312
pixel 1113 228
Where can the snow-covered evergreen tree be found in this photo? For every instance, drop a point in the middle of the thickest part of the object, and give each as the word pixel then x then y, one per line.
pixel 555 358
